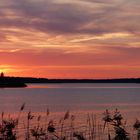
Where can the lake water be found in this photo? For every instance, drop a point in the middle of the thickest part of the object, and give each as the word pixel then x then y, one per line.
pixel 74 97
pixel 79 99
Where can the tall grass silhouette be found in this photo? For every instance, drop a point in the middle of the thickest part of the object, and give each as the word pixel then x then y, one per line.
pixel 42 127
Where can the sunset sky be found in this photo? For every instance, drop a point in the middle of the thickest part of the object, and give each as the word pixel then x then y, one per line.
pixel 70 38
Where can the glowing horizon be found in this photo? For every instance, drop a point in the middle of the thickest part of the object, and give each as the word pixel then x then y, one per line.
pixel 70 39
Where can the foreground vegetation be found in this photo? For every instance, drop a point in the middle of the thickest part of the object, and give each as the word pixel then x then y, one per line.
pixel 113 127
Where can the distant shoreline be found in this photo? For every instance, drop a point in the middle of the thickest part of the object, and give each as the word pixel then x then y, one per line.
pixel 25 80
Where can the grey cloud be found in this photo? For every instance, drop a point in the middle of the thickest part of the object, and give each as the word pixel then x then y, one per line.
pixel 49 16
pixel 53 17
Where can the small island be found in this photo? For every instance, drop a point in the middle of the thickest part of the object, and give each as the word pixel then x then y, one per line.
pixel 6 82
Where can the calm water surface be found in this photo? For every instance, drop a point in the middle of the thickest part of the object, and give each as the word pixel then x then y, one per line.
pixel 73 97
